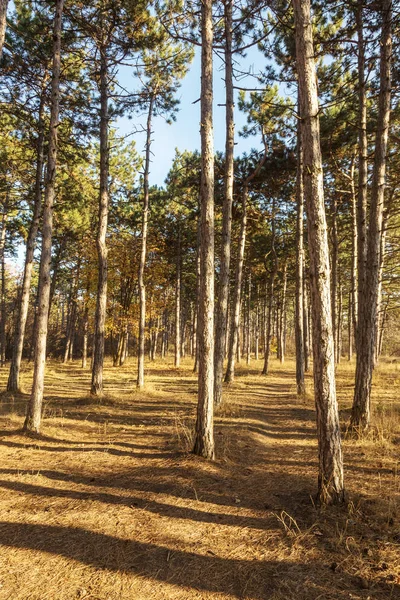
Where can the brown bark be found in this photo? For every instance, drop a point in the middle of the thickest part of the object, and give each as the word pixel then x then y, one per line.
pixel 85 337
pixel 143 253
pixel 368 302
pixel 204 430
pixel 270 297
pixel 178 302
pixel 299 301
pixel 248 320
pixel 362 163
pixel 13 384
pixel 235 321
pixel 330 480
pixel 34 412
pixel 3 23
pixel 223 291
pixel 102 251
pixel 282 317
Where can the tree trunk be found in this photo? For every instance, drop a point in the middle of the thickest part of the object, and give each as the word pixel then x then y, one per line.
pixel 178 284
pixel 368 307
pixel 353 314
pixel 85 337
pixel 13 384
pixel 282 324
pixel 3 23
pixel 235 321
pixel 334 271
pixel 222 305
pixel 204 431
pixel 196 359
pixel 248 320
pixel 362 163
pixel 271 286
pixel 307 325
pixel 3 289
pixel 34 412
pixel 101 305
pixel 330 481
pixel 257 325
pixel 145 219
pixel 299 303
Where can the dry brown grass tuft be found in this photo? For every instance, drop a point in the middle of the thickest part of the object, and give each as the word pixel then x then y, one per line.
pixel 109 503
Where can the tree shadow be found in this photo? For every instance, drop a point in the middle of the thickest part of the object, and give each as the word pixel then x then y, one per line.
pixel 251 579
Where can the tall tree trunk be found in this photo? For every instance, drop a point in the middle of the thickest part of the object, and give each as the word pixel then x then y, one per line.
pixel 204 431
pixel 85 336
pixel 222 305
pixel 101 305
pixel 145 219
pixel 3 289
pixel 271 286
pixel 299 302
pixel 13 384
pixel 34 412
pixel 330 481
pixel 362 163
pixel 339 331
pixel 353 313
pixel 248 319
pixel 368 307
pixel 334 271
pixel 178 302
pixel 196 359
pixel 257 324
pixel 235 321
pixel 282 324
pixel 3 23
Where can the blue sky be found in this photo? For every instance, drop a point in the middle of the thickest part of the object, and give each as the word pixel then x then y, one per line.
pixel 184 134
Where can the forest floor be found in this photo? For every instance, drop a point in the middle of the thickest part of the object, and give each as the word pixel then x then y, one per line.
pixel 109 503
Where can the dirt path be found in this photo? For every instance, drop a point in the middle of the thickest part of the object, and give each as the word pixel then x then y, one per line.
pixel 110 504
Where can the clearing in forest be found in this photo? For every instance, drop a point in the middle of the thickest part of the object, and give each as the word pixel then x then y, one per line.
pixel 110 504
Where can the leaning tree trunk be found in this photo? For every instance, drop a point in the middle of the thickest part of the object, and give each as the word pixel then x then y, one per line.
pixel 142 264
pixel 34 413
pixel 102 251
pixel 222 305
pixel 299 303
pixel 204 431
pixel 330 481
pixel 13 384
pixel 3 23
pixel 368 309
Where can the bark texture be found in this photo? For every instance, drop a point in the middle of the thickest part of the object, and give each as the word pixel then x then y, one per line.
pixel 13 384
pixel 330 480
pixel 235 321
pixel 34 412
pixel 204 430
pixel 299 304
pixel 102 251
pixel 143 252
pixel 369 301
pixel 3 23
pixel 222 305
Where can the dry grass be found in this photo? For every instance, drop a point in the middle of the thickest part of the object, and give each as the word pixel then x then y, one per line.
pixel 109 503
